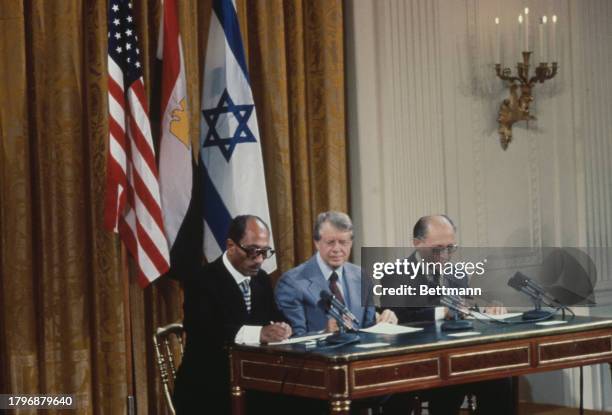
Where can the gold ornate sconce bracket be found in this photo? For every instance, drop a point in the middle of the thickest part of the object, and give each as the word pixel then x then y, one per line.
pixel 516 107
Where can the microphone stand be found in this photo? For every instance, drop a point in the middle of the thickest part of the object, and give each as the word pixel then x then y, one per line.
pixel 456 323
pixel 537 313
pixel 342 336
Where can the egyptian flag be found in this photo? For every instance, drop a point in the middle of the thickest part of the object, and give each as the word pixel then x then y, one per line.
pixel 176 163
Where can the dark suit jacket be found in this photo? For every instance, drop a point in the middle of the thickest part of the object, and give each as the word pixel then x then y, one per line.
pixel 214 311
pixel 409 312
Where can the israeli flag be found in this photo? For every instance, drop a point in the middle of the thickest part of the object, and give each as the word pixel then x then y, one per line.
pixel 230 151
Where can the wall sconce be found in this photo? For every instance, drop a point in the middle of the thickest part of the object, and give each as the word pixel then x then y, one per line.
pixel 516 107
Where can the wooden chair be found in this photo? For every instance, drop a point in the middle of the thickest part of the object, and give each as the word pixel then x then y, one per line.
pixel 168 342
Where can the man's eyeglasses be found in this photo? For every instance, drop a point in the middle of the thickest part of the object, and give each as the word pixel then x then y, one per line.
pixel 253 252
pixel 449 249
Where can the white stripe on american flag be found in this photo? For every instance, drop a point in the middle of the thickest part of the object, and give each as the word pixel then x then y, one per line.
pixel 116 110
pixel 142 167
pixel 133 186
pixel 117 152
pixel 148 215
pixel 146 265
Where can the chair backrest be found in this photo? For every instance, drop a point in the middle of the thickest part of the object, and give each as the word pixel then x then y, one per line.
pixel 168 342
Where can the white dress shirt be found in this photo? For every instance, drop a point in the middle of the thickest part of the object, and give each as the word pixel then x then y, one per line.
pixel 246 334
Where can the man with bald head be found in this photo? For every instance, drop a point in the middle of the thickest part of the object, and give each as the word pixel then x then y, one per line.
pixel 435 240
pixel 229 301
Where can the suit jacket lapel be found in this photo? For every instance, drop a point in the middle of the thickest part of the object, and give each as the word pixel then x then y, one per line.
pixel 353 283
pixel 235 298
pixel 316 280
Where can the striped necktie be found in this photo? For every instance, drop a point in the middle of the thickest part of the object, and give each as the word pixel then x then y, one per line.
pixel 333 287
pixel 246 293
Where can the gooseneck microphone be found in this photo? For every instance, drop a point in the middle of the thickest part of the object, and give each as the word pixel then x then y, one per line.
pixel 343 316
pixel 529 287
pixel 340 307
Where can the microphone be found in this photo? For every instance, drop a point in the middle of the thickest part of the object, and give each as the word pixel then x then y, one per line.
pixel 339 311
pixel 341 308
pixel 456 304
pixel 535 291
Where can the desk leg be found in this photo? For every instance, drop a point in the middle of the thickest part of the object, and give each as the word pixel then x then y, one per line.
pixel 237 401
pixel 342 407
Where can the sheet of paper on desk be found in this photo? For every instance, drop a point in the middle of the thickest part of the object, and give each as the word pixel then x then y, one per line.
pixel 464 334
pixel 387 328
pixel 301 339
pixel 484 316
pixel 551 323
pixel 371 345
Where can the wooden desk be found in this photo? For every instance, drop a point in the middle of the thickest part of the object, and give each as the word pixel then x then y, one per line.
pixel 416 361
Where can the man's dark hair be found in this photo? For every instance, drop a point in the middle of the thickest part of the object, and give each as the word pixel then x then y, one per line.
pixel 238 225
pixel 420 228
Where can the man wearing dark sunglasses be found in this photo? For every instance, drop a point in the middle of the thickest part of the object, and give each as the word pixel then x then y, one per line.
pixel 229 301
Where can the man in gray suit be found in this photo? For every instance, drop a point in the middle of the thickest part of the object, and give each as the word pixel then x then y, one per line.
pixel 298 292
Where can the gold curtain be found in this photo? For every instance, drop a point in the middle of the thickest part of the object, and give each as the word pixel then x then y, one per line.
pixel 70 322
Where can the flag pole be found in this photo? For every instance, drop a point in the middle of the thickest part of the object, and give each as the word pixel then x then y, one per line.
pixel 127 314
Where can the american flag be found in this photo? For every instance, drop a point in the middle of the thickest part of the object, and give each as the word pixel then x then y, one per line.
pixel 132 205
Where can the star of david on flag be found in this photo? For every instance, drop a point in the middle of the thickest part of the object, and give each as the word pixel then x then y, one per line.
pixel 231 168
pixel 221 132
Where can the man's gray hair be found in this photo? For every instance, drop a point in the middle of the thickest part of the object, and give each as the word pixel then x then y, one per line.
pixel 338 220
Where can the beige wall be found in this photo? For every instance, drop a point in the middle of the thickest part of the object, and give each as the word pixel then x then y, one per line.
pixel 422 103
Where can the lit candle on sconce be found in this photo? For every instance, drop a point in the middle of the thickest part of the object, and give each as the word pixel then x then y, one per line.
pixel 526 29
pixel 516 107
pixel 553 40
pixel 520 43
pixel 542 30
pixel 497 42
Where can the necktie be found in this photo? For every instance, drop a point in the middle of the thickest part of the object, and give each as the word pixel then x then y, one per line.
pixel 246 293
pixel 333 287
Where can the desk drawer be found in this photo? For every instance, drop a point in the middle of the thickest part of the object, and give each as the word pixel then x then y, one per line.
pixel 489 360
pixel 395 373
pixel 568 350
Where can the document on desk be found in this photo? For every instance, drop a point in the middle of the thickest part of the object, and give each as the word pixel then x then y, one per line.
pixel 464 334
pixel 551 323
pixel 387 328
pixel 301 339
pixel 485 316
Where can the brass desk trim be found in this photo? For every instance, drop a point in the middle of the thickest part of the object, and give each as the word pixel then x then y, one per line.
pixel 451 373
pixel 346 383
pixel 395 382
pixel 571 358
pixel 243 376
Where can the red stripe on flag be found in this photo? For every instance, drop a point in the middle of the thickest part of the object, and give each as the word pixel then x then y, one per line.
pixel 147 199
pixel 151 249
pixel 141 142
pixel 116 91
pixel 171 58
pixel 118 133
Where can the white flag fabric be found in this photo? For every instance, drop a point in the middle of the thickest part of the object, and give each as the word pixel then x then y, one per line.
pixel 233 177
pixel 175 155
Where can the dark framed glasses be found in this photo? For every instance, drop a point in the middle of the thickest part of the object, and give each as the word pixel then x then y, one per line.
pixel 449 249
pixel 253 252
